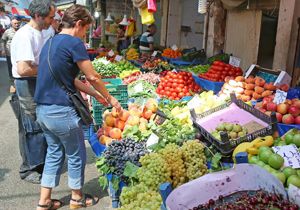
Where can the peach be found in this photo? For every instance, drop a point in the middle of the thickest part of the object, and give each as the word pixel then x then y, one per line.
pixel 249 86
pixel 256 96
pixel 259 81
pixel 147 114
pixel 133 120
pixel 249 92
pixel 240 79
pixel 120 124
pixel 115 133
pixel 109 120
pixel 124 115
pixel 259 90
pixel 266 93
pixel 250 80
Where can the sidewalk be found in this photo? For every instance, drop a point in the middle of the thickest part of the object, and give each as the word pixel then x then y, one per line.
pixel 16 194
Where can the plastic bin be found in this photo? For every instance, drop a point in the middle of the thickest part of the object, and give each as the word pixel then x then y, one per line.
pixel 283 128
pixel 225 146
pixel 97 147
pixel 117 90
pixel 88 131
pixel 208 85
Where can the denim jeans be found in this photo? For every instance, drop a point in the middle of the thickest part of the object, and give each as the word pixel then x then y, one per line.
pixel 64 135
pixel 32 143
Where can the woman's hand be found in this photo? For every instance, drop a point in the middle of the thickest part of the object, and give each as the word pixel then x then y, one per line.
pixel 101 100
pixel 115 103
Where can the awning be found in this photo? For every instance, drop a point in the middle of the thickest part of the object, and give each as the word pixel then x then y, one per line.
pixel 23 13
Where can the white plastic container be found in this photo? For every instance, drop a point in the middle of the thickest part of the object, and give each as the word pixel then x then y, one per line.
pixel 243 177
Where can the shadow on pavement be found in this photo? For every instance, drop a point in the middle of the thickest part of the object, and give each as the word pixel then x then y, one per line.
pixel 3 172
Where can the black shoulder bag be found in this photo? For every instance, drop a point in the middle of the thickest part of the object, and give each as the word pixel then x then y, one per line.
pixel 81 106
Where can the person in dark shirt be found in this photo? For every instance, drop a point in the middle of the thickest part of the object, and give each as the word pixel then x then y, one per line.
pixel 66 55
pixel 122 41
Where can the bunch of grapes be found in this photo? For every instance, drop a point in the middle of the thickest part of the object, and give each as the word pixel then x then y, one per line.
pixel 154 171
pixel 119 152
pixel 173 156
pixel 139 197
pixel 194 159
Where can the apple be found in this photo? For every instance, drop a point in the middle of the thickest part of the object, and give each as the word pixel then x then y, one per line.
pixel 297 120
pixel 265 101
pixel 288 102
pixel 288 119
pixel 271 107
pixel 293 110
pixel 282 108
pixel 296 102
pixel 294 180
pixel 279 117
pixel 275 161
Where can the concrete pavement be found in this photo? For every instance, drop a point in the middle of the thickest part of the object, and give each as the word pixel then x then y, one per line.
pixel 16 194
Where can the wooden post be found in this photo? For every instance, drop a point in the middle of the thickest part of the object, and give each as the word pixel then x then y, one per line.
pixel 283 37
pixel 174 23
pixel 164 22
pixel 102 19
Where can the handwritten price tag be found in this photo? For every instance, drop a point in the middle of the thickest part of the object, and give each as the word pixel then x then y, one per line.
pixel 234 61
pixel 154 54
pixel 111 53
pixel 290 155
pixel 280 97
pixel 118 58
pixel 139 88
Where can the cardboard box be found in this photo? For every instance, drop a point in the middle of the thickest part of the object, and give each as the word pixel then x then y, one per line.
pixel 281 77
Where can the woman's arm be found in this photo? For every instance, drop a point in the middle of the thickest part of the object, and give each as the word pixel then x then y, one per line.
pixel 95 80
pixel 90 91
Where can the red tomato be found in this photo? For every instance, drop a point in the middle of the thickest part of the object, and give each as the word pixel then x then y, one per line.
pixel 174 94
pixel 177 98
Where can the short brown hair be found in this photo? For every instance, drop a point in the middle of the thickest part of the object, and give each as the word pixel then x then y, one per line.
pixel 73 14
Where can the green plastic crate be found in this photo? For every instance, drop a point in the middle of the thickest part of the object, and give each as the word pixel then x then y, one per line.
pixel 117 90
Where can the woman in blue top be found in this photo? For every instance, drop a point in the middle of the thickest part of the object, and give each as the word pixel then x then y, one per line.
pixel 56 113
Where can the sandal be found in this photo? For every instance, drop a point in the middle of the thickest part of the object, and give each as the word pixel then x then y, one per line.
pixel 83 202
pixel 51 205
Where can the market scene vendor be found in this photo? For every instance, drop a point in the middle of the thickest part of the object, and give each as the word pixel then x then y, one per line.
pixel 150 105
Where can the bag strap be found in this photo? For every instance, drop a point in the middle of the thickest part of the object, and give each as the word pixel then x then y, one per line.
pixel 60 82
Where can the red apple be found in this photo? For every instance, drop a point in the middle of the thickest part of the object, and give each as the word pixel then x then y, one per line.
pixel 279 117
pixel 288 119
pixel 282 108
pixel 293 110
pixel 297 120
pixel 296 102
pixel 265 101
pixel 271 107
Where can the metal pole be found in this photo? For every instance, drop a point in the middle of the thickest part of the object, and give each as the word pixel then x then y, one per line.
pixel 91 27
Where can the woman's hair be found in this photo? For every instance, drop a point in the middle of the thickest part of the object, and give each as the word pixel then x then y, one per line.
pixel 73 14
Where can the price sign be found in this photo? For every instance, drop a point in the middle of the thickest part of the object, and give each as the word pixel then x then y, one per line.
pixel 118 58
pixel 174 70
pixel 174 47
pixel 153 139
pixel 138 88
pixel 234 61
pixel 280 96
pixel 194 103
pixel 290 155
pixel 111 53
pixel 154 54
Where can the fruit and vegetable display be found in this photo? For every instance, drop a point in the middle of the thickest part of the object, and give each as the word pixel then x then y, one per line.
pixel 219 70
pixel 141 88
pixel 194 55
pixel 129 73
pixel 219 57
pixel 246 89
pixel 233 131
pixel 155 65
pixel 207 101
pixel 287 112
pixel 199 69
pixel 132 54
pixel 173 164
pixel 148 77
pixel 105 68
pixel 248 200
pixel 170 53
pixel 176 85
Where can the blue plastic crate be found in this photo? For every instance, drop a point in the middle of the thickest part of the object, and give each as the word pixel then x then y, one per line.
pixel 114 194
pixel 97 147
pixel 208 85
pixel 88 131
pixel 283 128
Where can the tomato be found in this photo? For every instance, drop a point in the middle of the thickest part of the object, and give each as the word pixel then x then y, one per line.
pixel 217 68
pixel 181 85
pixel 167 92
pixel 171 97
pixel 174 94
pixel 181 94
pixel 177 98
pixel 188 94
pixel 175 80
pixel 169 84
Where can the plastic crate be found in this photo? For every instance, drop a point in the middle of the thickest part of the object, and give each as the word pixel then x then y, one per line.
pixel 97 147
pixel 117 90
pixel 226 146
pixel 208 85
pixel 114 194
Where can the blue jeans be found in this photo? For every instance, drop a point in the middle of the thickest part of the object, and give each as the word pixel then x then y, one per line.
pixel 32 143
pixel 64 135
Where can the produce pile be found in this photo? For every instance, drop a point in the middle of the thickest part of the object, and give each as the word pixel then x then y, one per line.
pixel 132 54
pixel 105 68
pixel 173 164
pixel 199 69
pixel 155 65
pixel 148 77
pixel 219 70
pixel 141 88
pixel 287 112
pixel 233 131
pixel 177 85
pixel 248 200
pixel 170 53
pixel 207 101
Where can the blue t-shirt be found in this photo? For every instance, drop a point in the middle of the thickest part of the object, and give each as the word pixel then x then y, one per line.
pixel 65 51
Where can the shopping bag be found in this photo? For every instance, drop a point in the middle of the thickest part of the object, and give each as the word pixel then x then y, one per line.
pixel 130 29
pixel 146 16
pixel 151 5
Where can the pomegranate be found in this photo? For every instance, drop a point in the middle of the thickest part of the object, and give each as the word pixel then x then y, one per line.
pixel 288 119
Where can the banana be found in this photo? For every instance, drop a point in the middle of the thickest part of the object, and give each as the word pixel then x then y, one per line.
pixel 252 150
pixel 266 141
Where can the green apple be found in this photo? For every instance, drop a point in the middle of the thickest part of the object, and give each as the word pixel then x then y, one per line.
pixel 288 171
pixel 260 163
pixel 280 176
pixel 289 138
pixel 294 180
pixel 253 160
pixel 296 140
pixel 298 172
pixel 281 143
pixel 269 169
pixel 275 161
pixel 264 148
pixel 265 155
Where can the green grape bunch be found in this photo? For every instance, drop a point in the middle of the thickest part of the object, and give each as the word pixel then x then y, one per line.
pixel 194 159
pixel 173 156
